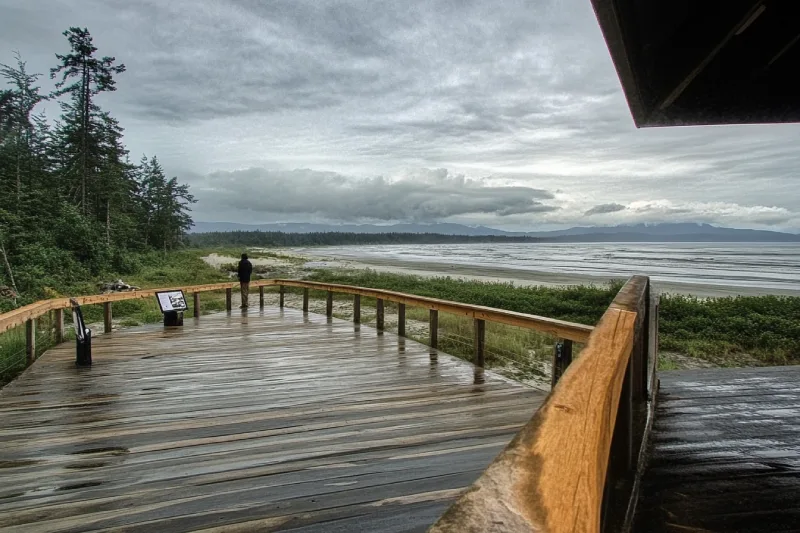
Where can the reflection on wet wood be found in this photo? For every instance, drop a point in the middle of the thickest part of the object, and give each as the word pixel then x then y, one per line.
pixel 724 453
pixel 269 420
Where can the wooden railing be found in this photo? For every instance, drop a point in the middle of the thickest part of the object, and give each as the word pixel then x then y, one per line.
pixel 574 467
pixel 566 332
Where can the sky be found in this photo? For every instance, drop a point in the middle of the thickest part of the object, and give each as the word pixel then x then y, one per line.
pixel 507 114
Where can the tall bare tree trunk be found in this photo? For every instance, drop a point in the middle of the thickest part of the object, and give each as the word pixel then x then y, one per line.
pixel 10 272
pixel 19 170
pixel 108 222
pixel 84 141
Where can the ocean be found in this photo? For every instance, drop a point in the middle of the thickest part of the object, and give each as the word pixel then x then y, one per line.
pixel 774 267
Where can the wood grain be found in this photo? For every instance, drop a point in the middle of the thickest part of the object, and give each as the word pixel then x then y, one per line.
pixel 551 477
pixel 559 328
pixel 723 456
pixel 249 421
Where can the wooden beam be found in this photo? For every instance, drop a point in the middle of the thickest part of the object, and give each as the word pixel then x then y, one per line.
pixel 58 319
pixel 357 309
pixel 305 300
pixel 228 299
pixel 401 320
pixel 329 305
pixel 261 297
pixel 281 296
pixel 700 67
pixel 562 358
pixel 30 340
pixel 480 343
pixel 558 328
pixel 107 317
pixel 196 298
pixel 434 328
pixel 379 314
pixel 552 476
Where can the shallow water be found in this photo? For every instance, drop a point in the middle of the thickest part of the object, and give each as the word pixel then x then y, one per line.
pixel 767 266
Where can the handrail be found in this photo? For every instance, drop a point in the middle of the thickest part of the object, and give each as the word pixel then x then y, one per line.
pixel 559 474
pixel 559 328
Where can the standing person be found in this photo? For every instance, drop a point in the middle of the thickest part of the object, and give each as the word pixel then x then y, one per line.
pixel 244 271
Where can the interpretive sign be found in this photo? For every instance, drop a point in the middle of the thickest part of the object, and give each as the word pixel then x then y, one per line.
pixel 171 301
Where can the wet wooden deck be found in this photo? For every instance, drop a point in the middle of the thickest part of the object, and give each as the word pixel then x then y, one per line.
pixel 725 453
pixel 264 422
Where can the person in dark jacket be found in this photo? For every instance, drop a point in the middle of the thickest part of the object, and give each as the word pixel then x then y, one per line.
pixel 245 270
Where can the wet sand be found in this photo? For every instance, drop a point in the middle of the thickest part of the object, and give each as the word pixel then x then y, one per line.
pixel 519 277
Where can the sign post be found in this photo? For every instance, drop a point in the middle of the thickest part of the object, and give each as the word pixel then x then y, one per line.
pixel 172 304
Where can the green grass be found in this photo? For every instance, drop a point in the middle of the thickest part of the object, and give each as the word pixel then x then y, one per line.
pixel 733 331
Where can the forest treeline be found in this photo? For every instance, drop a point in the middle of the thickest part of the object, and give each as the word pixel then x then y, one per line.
pixel 72 204
pixel 279 238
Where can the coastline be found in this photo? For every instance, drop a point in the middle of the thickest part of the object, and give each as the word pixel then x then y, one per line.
pixel 518 276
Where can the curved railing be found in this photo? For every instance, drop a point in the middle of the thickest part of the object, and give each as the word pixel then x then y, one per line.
pixel 567 331
pixel 574 467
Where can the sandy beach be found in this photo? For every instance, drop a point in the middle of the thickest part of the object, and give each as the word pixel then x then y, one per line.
pixel 523 277
pixel 315 259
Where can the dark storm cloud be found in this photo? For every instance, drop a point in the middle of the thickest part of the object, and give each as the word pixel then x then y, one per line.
pixel 519 89
pixel 423 196
pixel 604 208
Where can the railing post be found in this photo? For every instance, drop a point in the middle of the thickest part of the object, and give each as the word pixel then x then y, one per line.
pixel 480 342
pixel 562 357
pixel 30 340
pixel 196 298
pixel 107 317
pixel 434 328
pixel 329 305
pixel 305 300
pixel 357 309
pixel 282 295
pixel 59 323
pixel 379 314
pixel 261 296
pixel 228 299
pixel 401 320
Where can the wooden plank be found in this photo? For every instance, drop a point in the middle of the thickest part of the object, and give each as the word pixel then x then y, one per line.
pixel 357 309
pixel 329 304
pixel 58 320
pixel 562 358
pixel 401 320
pixel 480 343
pixel 30 340
pixel 723 465
pixel 379 314
pixel 353 427
pixel 261 297
pixel 434 328
pixel 559 328
pixel 107 317
pixel 305 300
pixel 196 302
pixel 282 296
pixel 551 477
pixel 228 299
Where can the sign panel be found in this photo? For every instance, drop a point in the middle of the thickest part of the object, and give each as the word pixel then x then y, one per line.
pixel 171 301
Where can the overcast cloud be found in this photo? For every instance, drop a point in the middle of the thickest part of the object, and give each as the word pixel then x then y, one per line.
pixel 509 114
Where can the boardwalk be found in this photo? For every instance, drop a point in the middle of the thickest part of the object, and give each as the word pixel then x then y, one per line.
pixel 271 421
pixel 725 453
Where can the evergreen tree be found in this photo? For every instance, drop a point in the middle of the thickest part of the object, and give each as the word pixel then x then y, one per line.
pixel 71 203
pixel 91 76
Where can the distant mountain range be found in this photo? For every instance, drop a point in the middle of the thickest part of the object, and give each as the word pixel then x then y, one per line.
pixel 665 232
